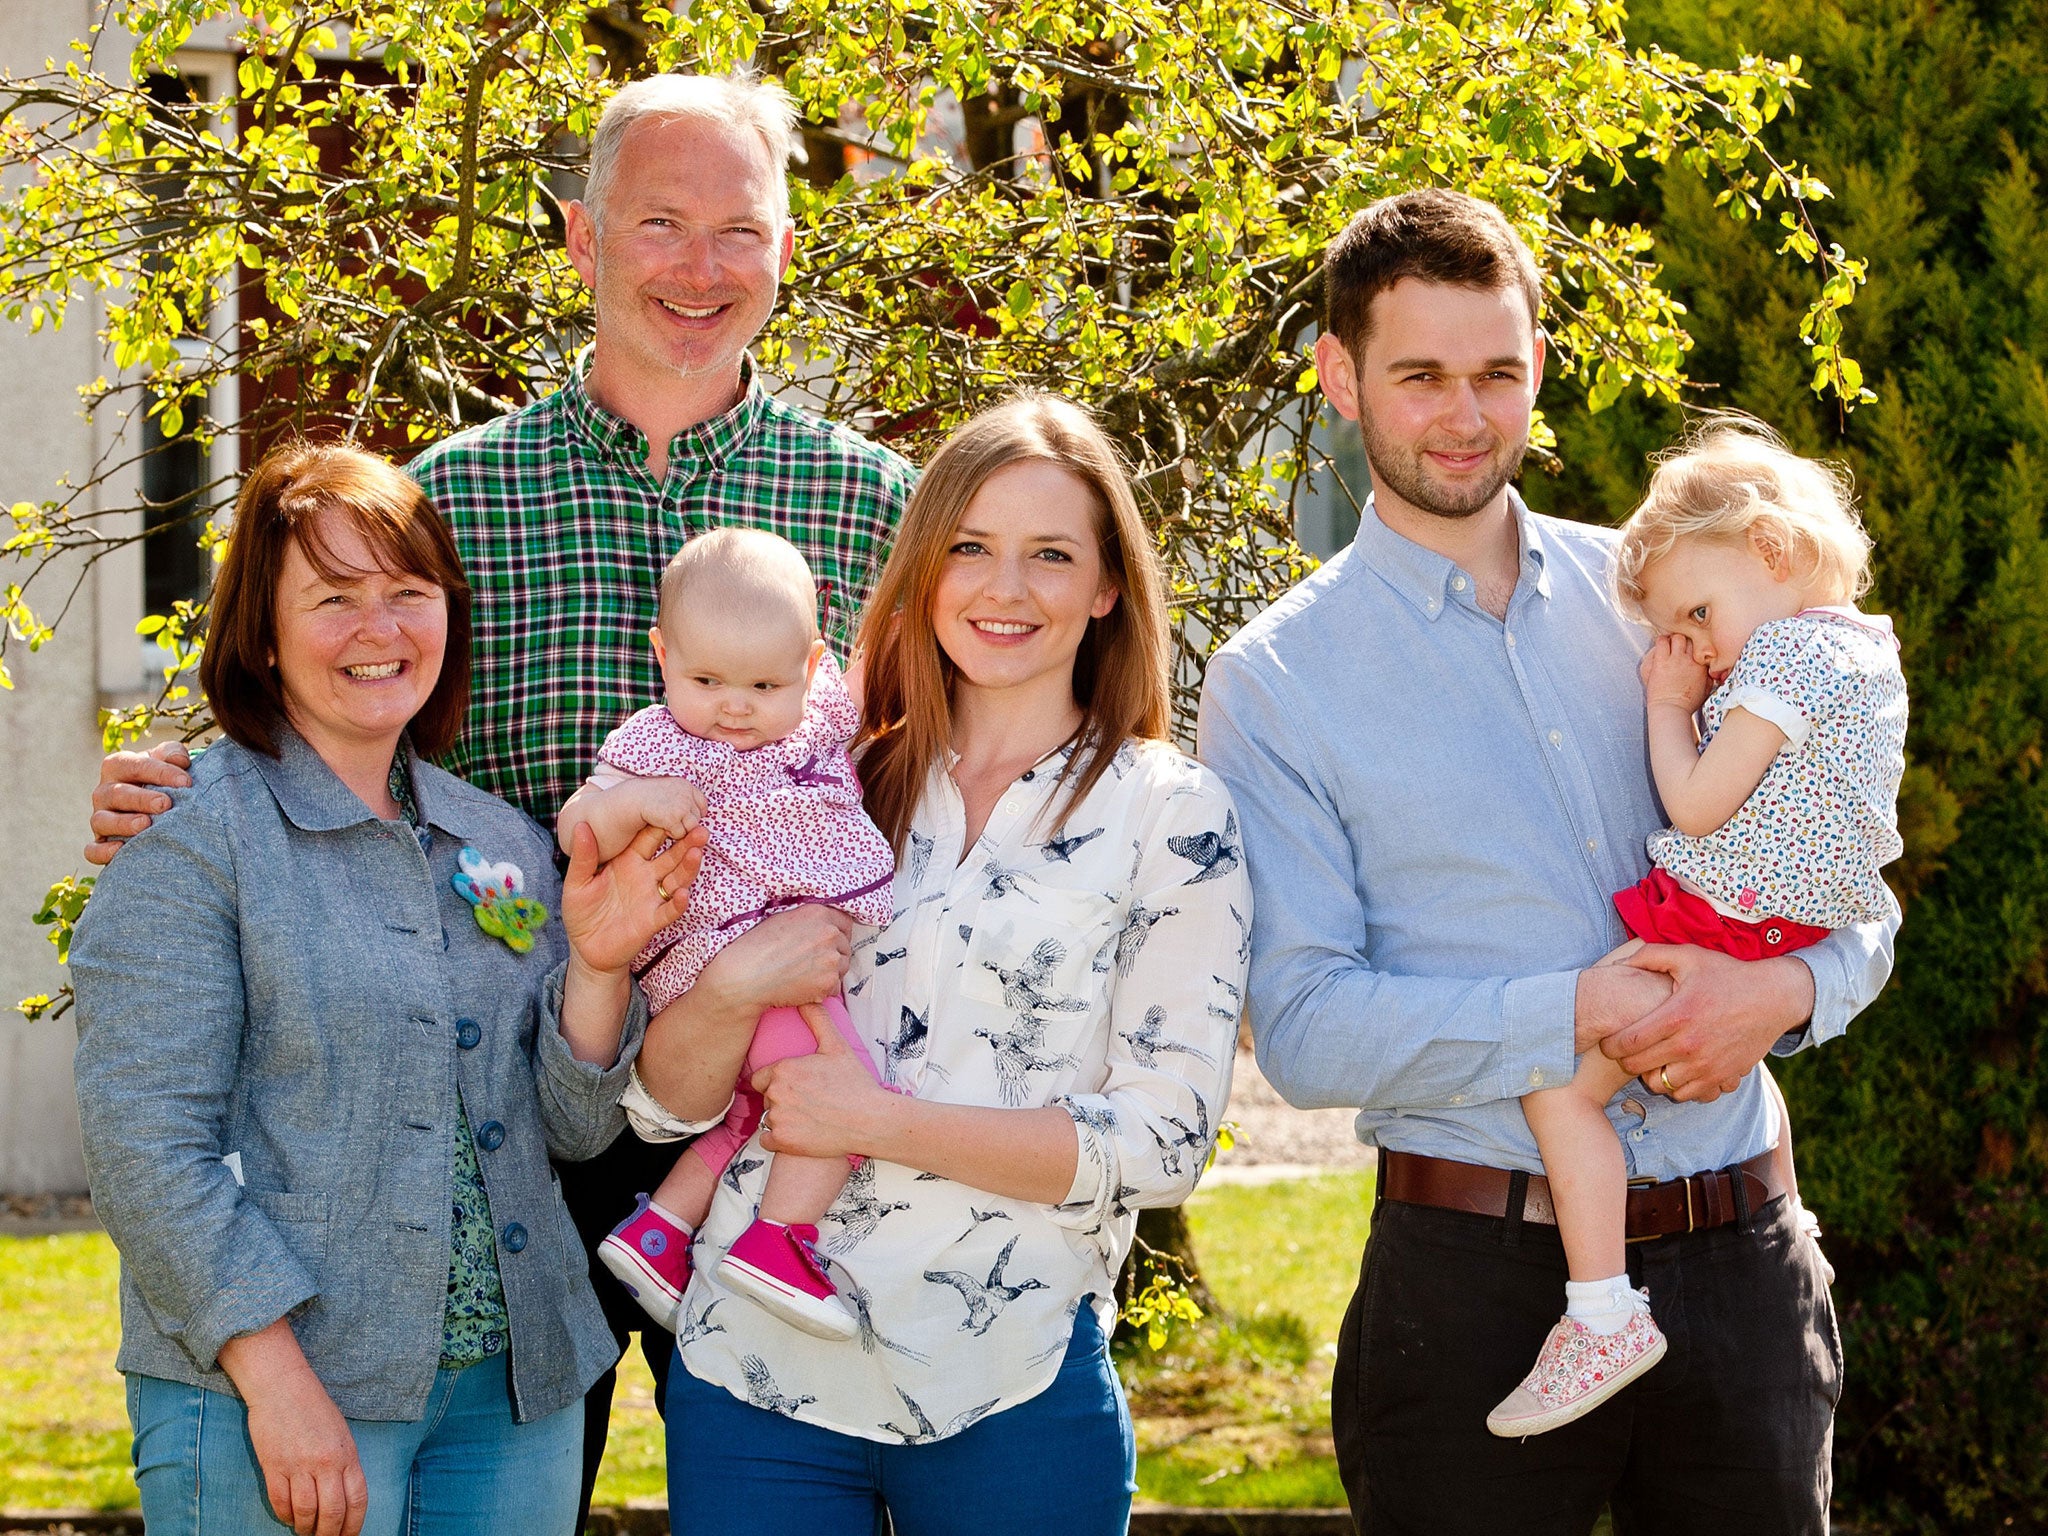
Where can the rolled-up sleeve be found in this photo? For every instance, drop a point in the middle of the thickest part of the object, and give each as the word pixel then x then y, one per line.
pixel 1331 1029
pixel 1147 1134
pixel 579 1100
pixel 157 970
pixel 1850 967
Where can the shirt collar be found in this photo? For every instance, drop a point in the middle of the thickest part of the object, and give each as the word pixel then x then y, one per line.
pixel 314 799
pixel 1432 581
pixel 705 445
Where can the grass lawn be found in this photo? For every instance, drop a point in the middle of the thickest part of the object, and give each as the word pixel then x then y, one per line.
pixel 1235 1410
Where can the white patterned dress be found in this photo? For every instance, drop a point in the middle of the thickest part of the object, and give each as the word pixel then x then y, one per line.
pixel 1099 969
pixel 1809 841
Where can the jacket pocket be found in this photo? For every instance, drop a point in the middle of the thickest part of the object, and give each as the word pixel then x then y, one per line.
pixel 301 1219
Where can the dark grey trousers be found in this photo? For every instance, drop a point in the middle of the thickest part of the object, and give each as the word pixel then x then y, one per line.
pixel 1731 1431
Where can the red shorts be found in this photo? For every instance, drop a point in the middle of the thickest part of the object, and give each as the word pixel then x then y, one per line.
pixel 1661 911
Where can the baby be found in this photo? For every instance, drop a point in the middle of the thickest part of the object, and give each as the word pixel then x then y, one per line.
pixel 752 740
pixel 1747 560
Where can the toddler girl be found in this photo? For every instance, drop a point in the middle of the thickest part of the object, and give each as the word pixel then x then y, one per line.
pixel 1747 560
pixel 752 740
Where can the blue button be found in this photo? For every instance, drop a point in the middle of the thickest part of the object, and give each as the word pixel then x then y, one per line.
pixel 467 1033
pixel 513 1237
pixel 490 1135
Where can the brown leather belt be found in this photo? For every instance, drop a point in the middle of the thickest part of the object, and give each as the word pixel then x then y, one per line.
pixel 1654 1210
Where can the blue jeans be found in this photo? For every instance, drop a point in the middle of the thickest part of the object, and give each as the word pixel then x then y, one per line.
pixel 464 1469
pixel 1060 1464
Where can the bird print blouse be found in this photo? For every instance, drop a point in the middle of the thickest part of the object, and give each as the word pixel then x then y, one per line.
pixel 1098 966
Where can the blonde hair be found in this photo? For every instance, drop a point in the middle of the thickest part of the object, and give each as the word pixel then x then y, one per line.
pixel 1732 479
pixel 740 574
pixel 1120 671
pixel 738 100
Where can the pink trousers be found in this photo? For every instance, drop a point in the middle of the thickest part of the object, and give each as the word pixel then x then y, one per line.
pixel 781 1033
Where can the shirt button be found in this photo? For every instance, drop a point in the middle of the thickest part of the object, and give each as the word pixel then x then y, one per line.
pixel 1536 1078
pixel 1557 738
pixel 1592 845
pixel 1511 641
pixel 1636 1135
pixel 467 1033
pixel 490 1135
pixel 1457 583
pixel 1457 1098
pixel 513 1237
pixel 1028 775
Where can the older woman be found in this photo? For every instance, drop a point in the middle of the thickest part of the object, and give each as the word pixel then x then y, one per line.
pixel 1054 1002
pixel 335 1011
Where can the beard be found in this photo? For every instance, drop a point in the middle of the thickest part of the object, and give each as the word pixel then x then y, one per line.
pixel 1404 471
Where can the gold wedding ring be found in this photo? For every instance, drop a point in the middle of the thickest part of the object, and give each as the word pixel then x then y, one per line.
pixel 1669 1086
pixel 662 891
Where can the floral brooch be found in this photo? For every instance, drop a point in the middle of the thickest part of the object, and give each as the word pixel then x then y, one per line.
pixel 493 890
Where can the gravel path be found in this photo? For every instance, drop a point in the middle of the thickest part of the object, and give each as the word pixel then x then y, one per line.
pixel 1272 1134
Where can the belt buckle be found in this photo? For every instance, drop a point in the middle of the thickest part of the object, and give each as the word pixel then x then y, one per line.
pixel 1691 1219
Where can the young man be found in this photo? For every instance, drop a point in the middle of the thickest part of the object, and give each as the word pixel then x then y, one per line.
pixel 1436 745
pixel 567 511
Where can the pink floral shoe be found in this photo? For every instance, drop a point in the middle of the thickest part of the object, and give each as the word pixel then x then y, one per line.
pixel 778 1267
pixel 651 1257
pixel 1577 1371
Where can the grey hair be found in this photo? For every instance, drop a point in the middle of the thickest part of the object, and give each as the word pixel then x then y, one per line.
pixel 740 100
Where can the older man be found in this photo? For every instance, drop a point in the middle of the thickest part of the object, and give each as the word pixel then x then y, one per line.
pixel 566 512
pixel 1437 747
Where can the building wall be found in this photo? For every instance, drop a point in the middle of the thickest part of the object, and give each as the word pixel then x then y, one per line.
pixel 49 733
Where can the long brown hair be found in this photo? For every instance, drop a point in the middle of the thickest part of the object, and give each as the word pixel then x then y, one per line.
pixel 1120 671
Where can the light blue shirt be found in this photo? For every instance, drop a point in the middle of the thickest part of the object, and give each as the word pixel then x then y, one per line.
pixel 1438 807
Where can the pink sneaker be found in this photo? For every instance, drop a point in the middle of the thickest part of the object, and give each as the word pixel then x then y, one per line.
pixel 1578 1370
pixel 651 1257
pixel 778 1267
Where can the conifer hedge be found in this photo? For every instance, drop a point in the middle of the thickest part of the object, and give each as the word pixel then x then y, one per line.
pixel 1923 1136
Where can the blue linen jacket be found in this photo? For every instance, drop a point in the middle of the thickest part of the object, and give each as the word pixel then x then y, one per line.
pixel 273 980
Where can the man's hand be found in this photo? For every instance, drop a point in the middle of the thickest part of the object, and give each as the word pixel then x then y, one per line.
pixel 1721 1019
pixel 1671 675
pixel 302 1443
pixel 1612 998
pixel 125 801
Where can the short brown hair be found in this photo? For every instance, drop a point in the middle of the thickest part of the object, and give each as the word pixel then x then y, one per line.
pixel 280 505
pixel 1433 234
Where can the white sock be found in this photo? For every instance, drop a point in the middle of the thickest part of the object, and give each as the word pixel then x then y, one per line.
pixel 1603 1306
pixel 671 1217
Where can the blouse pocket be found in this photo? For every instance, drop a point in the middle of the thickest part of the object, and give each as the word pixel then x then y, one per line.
pixel 1037 966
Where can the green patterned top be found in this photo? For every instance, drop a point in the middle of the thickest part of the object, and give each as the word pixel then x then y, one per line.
pixel 474 1326
pixel 565 534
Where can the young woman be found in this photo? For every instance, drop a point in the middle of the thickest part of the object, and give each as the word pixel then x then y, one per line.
pixel 335 1011
pixel 1054 1005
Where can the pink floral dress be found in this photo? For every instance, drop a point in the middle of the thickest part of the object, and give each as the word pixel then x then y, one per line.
pixel 785 823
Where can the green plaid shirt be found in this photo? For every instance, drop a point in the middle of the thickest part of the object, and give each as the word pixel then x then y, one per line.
pixel 565 534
